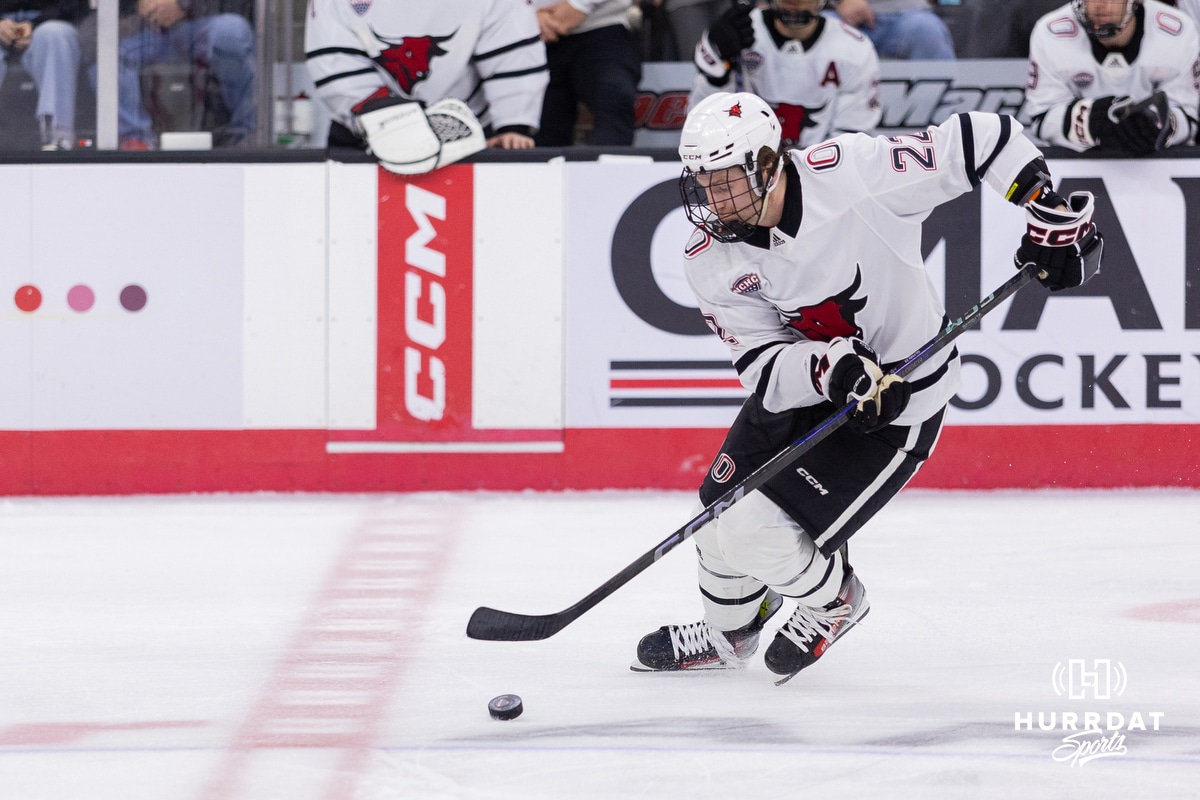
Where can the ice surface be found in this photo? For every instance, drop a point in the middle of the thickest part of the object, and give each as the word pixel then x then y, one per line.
pixel 279 646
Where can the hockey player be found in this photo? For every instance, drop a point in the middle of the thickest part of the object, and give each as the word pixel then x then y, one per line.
pixel 1119 74
pixel 424 82
pixel 808 266
pixel 819 75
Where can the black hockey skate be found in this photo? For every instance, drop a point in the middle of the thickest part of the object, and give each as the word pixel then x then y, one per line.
pixel 699 646
pixel 809 631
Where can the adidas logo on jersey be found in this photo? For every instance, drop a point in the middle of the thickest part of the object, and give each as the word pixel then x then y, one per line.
pixel 777 240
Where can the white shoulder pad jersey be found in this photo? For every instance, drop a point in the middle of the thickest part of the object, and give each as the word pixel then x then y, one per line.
pixel 487 53
pixel 1063 68
pixel 828 88
pixel 1191 7
pixel 845 260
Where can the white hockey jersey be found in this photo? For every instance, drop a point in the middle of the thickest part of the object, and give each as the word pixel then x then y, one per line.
pixel 1065 66
pixel 1190 7
pixel 487 53
pixel 829 87
pixel 845 260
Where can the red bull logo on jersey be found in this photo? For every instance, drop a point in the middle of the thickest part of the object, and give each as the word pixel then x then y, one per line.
pixel 408 60
pixel 831 318
pixel 794 119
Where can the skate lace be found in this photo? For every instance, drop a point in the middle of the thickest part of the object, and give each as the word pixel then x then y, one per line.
pixel 697 637
pixel 807 623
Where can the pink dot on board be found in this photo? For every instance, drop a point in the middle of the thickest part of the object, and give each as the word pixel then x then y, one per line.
pixel 80 297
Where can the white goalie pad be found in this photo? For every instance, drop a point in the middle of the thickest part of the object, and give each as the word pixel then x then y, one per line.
pixel 456 128
pixel 401 138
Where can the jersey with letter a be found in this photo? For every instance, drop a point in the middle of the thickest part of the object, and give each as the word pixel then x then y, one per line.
pixel 487 53
pixel 829 87
pixel 845 260
pixel 1064 67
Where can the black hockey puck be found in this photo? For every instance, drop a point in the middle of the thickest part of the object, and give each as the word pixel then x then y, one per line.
pixel 506 706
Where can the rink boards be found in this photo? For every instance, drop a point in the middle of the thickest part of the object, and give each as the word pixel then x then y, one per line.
pixel 329 326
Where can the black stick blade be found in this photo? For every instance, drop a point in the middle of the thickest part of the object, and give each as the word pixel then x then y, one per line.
pixel 493 625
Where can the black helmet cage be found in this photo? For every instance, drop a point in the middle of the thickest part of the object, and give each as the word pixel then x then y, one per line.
pixel 796 18
pixel 699 210
pixel 1108 29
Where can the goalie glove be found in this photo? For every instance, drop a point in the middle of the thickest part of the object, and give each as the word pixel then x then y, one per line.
pixel 722 44
pixel 1138 128
pixel 411 140
pixel 1062 242
pixel 849 370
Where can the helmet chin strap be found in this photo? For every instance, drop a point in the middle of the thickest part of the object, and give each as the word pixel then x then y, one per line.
pixel 769 187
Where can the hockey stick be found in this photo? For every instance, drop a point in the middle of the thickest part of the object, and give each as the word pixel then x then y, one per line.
pixel 504 626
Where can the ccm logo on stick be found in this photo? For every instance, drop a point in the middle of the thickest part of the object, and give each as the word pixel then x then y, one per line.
pixel 423 276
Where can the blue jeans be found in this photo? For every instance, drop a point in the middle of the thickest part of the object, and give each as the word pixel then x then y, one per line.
pixel 224 43
pixel 52 60
pixel 914 35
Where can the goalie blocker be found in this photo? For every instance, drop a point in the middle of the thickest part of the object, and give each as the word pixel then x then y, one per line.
pixel 409 139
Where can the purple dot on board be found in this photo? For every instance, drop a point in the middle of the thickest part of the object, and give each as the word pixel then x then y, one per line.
pixel 133 298
pixel 80 297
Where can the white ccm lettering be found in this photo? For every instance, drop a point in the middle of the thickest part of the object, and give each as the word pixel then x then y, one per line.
pixel 423 205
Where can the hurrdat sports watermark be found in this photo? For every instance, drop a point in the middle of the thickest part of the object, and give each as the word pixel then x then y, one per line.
pixel 1095 730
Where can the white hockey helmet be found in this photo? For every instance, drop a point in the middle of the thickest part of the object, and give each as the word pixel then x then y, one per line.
pixel 727 138
pixel 1103 30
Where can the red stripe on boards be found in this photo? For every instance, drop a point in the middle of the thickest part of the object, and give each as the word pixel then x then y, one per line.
pixel 136 462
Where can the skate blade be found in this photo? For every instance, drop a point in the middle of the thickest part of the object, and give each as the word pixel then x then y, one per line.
pixel 638 666
pixel 841 633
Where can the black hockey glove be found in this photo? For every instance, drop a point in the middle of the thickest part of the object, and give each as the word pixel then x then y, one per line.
pixel 1143 128
pixel 722 44
pixel 1062 242
pixel 849 370
pixel 1137 128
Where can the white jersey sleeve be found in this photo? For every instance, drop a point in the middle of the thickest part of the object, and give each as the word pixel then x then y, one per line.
pixel 910 174
pixel 511 61
pixel 856 108
pixel 1063 69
